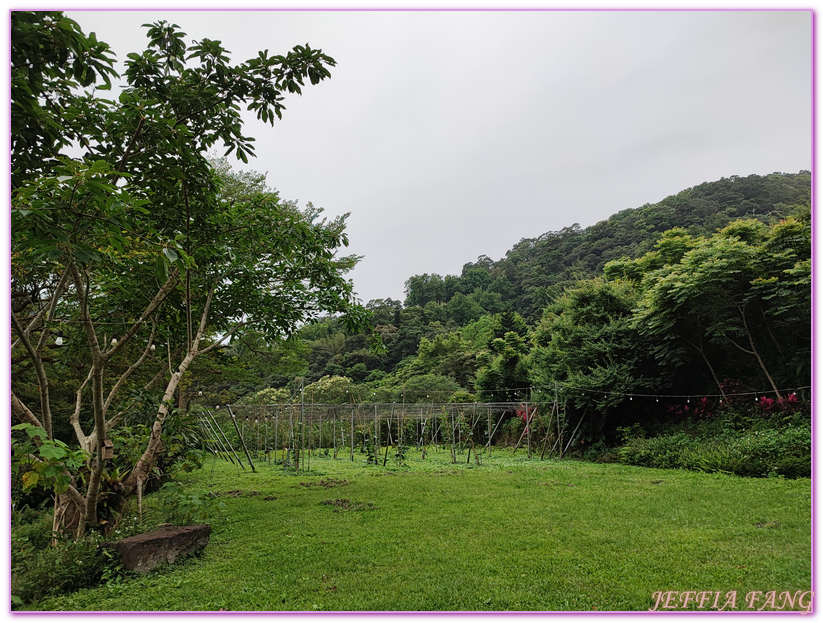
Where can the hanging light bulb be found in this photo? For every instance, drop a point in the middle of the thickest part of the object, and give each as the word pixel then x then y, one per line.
pixel 58 341
pixel 152 347
pixel 200 393
pixel 113 341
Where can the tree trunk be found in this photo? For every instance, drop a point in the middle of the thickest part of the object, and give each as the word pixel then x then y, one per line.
pixel 146 461
pixel 756 354
pixel 702 352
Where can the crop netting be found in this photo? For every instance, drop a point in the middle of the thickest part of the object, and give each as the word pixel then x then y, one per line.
pixel 290 434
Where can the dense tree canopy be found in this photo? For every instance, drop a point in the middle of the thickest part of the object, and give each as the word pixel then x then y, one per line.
pixel 142 241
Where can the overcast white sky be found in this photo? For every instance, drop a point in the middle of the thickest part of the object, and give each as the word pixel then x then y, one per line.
pixel 451 134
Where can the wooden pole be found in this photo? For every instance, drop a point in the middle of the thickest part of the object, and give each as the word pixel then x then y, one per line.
pixel 376 433
pixel 276 431
pixel 548 430
pixel 489 428
pixel 529 428
pixel 524 433
pixel 228 443
pixel 245 449
pixel 217 438
pixel 388 439
pixel 454 458
pixel 495 428
pixel 422 444
pixel 302 456
pixel 559 430
pixel 575 429
pixel 289 453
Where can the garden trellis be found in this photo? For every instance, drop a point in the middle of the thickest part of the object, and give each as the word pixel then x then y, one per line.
pixel 290 434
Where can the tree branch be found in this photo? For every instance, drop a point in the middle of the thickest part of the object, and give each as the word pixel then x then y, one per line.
pixel 39 369
pixel 155 303
pixel 22 412
pixel 33 323
pixel 58 292
pixel 127 154
pixel 124 377
pixel 74 419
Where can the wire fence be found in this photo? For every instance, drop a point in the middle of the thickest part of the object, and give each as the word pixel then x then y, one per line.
pixel 290 434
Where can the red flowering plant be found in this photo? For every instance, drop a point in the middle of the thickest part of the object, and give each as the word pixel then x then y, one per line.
pixel 526 415
pixel 704 407
pixel 787 405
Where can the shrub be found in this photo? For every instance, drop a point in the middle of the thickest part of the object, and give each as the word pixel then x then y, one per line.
pixel 759 453
pixel 180 507
pixel 663 451
pixel 66 568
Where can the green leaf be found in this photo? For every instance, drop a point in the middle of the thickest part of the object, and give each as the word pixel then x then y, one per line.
pixel 161 269
pixel 52 451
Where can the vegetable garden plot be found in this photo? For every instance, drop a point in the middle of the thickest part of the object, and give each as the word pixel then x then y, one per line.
pixel 290 434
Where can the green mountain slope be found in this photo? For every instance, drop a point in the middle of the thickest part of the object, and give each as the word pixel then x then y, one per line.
pixel 535 270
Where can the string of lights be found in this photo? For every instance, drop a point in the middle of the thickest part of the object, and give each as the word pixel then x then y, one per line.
pixel 564 389
pixel 756 394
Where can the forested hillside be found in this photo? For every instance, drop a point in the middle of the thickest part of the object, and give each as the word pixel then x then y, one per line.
pixel 703 295
pixel 535 271
pixel 693 313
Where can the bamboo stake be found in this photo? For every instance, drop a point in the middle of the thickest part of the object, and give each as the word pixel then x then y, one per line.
pixel 489 427
pixel 376 433
pixel 217 438
pixel 526 430
pixel 529 429
pixel 454 458
pixel 495 429
pixel 228 443
pixel 288 449
pixel 554 446
pixel 575 430
pixel 388 439
pixel 548 430
pixel 559 430
pixel 245 449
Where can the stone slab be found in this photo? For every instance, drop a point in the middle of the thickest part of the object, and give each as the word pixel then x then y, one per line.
pixel 166 545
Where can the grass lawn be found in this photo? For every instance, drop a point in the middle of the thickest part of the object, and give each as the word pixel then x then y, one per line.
pixel 511 534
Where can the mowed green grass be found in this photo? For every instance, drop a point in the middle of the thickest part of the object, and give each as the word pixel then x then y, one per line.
pixel 510 535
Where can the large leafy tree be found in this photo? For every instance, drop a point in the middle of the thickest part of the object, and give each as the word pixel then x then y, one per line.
pixel 140 242
pixel 586 342
pixel 503 367
pixel 737 300
pixel 51 61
